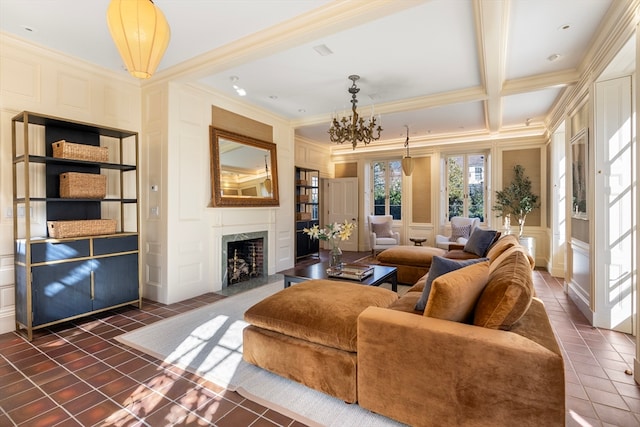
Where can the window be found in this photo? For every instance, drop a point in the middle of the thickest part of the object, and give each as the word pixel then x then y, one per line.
pixel 465 192
pixel 387 188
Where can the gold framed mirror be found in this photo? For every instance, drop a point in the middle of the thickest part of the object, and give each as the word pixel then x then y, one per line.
pixel 244 170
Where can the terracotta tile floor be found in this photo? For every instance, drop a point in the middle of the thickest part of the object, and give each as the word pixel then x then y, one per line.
pixel 77 374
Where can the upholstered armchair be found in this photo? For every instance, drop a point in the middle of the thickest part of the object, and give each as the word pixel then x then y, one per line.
pixel 381 234
pixel 461 228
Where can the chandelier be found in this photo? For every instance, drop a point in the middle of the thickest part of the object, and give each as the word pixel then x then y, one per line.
pixel 354 129
pixel 141 34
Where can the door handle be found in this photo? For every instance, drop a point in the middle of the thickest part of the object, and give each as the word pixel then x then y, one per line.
pixel 92 286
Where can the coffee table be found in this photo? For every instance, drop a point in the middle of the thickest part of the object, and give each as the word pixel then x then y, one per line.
pixel 381 274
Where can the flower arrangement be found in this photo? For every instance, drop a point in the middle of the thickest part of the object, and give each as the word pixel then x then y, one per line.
pixel 333 233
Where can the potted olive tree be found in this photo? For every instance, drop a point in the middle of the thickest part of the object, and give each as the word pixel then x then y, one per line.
pixel 516 199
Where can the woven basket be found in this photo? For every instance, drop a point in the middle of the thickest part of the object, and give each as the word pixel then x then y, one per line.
pixel 303 198
pixel 68 150
pixel 75 185
pixel 303 216
pixel 79 228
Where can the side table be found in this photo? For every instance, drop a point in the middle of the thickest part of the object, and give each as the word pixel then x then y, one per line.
pixel 417 241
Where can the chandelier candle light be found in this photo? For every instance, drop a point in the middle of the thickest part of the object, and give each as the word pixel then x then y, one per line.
pixel 334 234
pixel 354 129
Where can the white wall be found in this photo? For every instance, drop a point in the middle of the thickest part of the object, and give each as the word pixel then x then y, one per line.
pixel 182 251
pixel 45 82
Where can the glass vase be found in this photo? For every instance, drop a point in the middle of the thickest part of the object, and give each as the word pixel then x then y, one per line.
pixel 335 258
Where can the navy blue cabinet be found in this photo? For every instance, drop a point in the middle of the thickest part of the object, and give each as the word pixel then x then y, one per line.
pixel 60 291
pixel 84 282
pixel 58 279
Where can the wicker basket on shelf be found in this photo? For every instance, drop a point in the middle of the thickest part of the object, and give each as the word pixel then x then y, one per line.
pixel 75 185
pixel 81 228
pixel 69 150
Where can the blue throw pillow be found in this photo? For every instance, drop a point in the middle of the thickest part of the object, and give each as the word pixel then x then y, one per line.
pixel 440 266
pixel 479 241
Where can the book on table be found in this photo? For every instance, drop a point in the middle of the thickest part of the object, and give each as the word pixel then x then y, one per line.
pixel 353 271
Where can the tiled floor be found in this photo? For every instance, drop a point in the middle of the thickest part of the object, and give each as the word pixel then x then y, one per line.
pixel 77 374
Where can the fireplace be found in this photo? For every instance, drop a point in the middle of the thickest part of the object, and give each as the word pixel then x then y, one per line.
pixel 244 257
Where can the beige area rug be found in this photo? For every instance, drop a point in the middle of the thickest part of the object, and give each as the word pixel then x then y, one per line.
pixel 208 341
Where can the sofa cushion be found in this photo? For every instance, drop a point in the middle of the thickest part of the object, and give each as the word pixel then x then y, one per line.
pixel 508 293
pixel 382 229
pixel 457 232
pixel 454 295
pixel 507 241
pixel 320 311
pixel 418 287
pixel 418 256
pixel 479 241
pixel 407 303
pixel 494 263
pixel 440 266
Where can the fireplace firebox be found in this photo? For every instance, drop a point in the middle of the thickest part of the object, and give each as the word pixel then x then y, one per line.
pixel 244 257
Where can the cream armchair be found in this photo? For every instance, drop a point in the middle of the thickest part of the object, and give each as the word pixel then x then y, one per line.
pixel 381 234
pixel 461 228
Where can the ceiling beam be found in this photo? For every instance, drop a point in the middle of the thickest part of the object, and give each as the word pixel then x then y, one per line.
pixel 540 82
pixel 328 19
pixel 476 94
pixel 491 18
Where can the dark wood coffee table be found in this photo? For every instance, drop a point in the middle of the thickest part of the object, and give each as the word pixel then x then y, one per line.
pixel 381 274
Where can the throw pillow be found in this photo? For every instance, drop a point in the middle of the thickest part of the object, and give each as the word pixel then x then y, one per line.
pixel 479 241
pixel 440 266
pixel 508 293
pixel 382 229
pixel 454 295
pixel 457 232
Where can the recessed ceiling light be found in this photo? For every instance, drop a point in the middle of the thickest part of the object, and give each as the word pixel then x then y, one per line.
pixel 274 97
pixel 323 50
pixel 302 110
pixel 564 27
pixel 28 28
pixel 554 57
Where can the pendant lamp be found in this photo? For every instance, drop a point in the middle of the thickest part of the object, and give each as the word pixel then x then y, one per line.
pixel 267 181
pixel 141 34
pixel 407 161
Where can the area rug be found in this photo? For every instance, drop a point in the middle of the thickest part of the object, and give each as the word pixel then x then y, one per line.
pixel 207 341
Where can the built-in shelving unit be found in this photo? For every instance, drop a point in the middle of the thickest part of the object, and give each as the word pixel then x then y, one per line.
pixel 58 279
pixel 307 210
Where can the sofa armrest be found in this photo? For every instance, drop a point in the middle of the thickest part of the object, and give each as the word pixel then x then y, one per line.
pixel 414 368
pixel 453 246
pixel 396 235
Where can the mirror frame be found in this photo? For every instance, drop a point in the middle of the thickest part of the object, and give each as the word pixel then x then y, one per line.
pixel 217 199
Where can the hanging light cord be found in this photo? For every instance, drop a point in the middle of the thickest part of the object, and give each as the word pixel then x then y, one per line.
pixel 406 142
